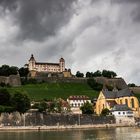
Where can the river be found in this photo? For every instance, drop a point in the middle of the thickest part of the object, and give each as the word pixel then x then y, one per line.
pixel 119 133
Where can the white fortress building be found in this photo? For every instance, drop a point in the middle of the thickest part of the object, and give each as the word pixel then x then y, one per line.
pixel 33 65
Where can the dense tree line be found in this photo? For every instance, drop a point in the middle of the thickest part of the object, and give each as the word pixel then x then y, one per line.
pixel 104 73
pixel 132 85
pixel 6 70
pixel 17 102
pixel 79 74
pixel 98 73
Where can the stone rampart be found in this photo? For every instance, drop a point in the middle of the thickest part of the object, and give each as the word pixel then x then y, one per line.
pixel 118 82
pixel 41 119
pixel 12 80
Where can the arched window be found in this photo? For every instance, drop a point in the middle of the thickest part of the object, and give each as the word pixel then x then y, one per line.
pixel 103 106
pixel 126 102
pixel 132 102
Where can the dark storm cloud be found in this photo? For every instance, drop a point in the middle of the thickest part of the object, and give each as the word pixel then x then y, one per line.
pixel 38 19
pixel 125 1
pixel 10 4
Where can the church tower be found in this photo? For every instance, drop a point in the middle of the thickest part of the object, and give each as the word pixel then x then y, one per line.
pixel 31 63
pixel 62 64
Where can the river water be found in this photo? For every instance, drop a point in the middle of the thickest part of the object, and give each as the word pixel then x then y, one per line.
pixel 120 133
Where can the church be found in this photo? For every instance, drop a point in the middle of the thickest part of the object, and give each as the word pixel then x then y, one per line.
pixel 108 99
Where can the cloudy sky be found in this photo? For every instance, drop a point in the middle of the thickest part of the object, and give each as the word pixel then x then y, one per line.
pixel 89 34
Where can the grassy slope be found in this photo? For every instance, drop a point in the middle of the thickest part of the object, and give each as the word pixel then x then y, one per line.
pixel 55 90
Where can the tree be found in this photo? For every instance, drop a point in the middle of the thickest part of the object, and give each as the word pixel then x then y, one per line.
pixel 94 85
pixel 21 102
pixel 131 85
pixel 87 108
pixel 41 106
pixel 23 72
pixel 105 112
pixel 88 74
pixel 79 74
pixel 6 70
pixel 4 97
pixel 13 70
pixel 97 73
pixel 109 74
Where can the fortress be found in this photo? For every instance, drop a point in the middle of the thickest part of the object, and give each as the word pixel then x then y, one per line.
pixel 38 68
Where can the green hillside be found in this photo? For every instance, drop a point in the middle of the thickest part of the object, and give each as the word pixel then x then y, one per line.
pixel 55 90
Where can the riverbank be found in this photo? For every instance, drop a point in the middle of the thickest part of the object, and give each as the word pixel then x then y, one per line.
pixel 8 128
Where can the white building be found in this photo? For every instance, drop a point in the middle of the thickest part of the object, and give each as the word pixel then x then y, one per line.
pixel 76 102
pixel 46 67
pixel 123 114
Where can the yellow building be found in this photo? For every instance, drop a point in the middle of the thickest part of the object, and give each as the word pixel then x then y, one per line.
pixel 108 99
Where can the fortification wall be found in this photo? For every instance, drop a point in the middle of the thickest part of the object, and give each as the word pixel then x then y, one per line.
pixel 41 119
pixel 61 79
pixel 118 82
pixel 12 80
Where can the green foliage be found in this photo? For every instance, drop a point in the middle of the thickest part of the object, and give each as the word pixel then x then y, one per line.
pixel 41 106
pixel 20 102
pixel 89 74
pixel 79 74
pixel 6 70
pixel 104 73
pixel 131 85
pixel 105 112
pixel 4 97
pixel 87 108
pixel 94 85
pixel 25 81
pixel 55 106
pixel 97 73
pixel 23 72
pixel 49 91
pixel 108 74
pixel 7 109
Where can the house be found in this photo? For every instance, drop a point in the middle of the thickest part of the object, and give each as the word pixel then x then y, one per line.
pixel 123 114
pixel 76 102
pixel 108 99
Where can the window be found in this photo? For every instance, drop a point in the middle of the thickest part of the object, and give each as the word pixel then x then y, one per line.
pixel 126 102
pixel 119 113
pixel 124 113
pixel 103 106
pixel 132 102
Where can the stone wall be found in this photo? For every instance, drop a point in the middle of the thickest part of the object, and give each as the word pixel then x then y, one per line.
pixel 12 80
pixel 118 82
pixel 36 119
pixel 61 80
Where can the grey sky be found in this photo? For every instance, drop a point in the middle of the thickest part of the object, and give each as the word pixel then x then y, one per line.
pixel 90 35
